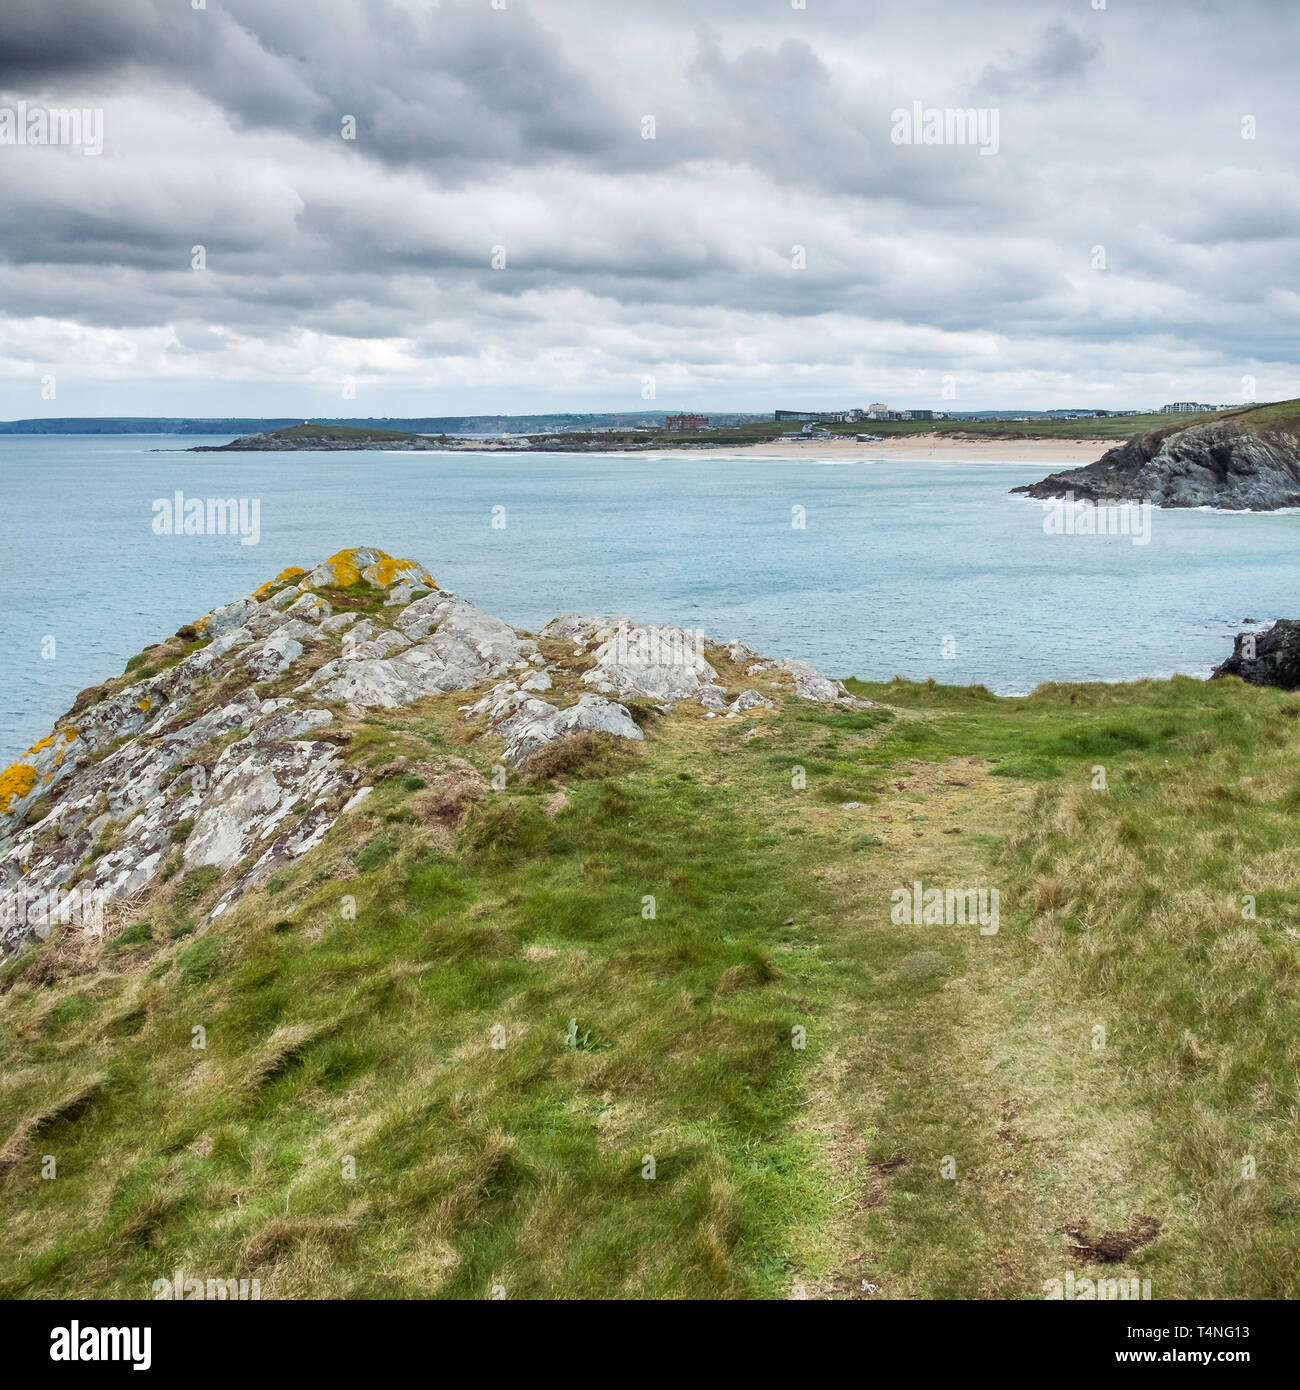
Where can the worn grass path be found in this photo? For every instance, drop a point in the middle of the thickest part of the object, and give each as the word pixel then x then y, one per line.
pixel 552 1051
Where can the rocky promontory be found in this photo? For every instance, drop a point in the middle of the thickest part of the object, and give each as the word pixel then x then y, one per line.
pixel 235 745
pixel 1271 657
pixel 307 438
pixel 318 438
pixel 1246 460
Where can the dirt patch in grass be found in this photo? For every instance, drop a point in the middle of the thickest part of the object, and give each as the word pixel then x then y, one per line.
pixel 1112 1246
pixel 451 791
pixel 875 1188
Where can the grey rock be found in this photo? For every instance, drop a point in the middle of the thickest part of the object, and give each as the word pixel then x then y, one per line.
pixel 461 648
pixel 664 664
pixel 310 608
pixel 229 615
pixel 253 792
pixel 810 684
pixel 1271 657
pixel 368 639
pixel 533 722
pixel 272 656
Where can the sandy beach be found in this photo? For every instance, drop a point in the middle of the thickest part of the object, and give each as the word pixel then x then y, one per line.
pixel 923 447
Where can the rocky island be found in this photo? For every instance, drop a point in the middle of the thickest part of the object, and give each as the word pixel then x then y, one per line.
pixel 1242 460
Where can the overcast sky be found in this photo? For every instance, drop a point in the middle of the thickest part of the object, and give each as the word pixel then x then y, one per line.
pixel 932 274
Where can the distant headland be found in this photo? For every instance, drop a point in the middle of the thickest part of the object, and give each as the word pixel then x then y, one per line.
pixel 1241 460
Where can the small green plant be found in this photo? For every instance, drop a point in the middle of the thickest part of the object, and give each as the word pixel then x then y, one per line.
pixel 181 830
pixel 196 883
pixel 140 934
pixel 202 961
pixel 584 1040
pixel 378 851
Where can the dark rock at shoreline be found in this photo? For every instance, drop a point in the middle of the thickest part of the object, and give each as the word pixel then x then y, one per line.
pixel 1271 657
pixel 1246 461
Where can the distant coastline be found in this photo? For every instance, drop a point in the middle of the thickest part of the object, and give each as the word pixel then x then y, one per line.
pixel 958 445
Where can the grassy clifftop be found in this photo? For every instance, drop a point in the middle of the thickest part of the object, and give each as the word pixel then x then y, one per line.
pixel 1268 421
pixel 442 1047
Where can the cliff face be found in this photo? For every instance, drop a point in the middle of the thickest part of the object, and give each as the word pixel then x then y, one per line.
pixel 1246 462
pixel 227 750
pixel 1271 657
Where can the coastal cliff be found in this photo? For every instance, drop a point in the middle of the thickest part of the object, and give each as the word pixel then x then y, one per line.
pixel 1247 460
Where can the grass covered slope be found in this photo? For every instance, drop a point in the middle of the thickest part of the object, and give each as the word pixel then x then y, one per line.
pixel 462 997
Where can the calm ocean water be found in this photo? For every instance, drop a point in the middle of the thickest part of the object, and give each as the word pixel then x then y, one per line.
pixel 894 558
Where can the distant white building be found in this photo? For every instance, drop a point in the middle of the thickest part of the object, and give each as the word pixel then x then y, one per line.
pixel 1185 408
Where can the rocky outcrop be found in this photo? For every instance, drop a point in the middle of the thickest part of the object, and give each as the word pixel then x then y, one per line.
pixel 1271 657
pixel 227 755
pixel 667 665
pixel 524 723
pixel 1248 461
pixel 322 438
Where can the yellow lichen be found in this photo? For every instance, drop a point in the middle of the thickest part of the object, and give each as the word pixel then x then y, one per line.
pixel 38 747
pixel 385 571
pixel 15 783
pixel 344 568
pixel 292 572
pixel 70 733
pixel 146 702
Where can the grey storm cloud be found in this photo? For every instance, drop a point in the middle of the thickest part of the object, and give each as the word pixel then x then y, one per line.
pixel 1061 55
pixel 501 203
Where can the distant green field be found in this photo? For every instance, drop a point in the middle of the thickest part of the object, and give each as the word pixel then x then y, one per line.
pixel 340 432
pixel 1117 427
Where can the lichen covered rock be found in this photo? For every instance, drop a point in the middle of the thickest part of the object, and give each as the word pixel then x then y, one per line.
pixel 225 754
